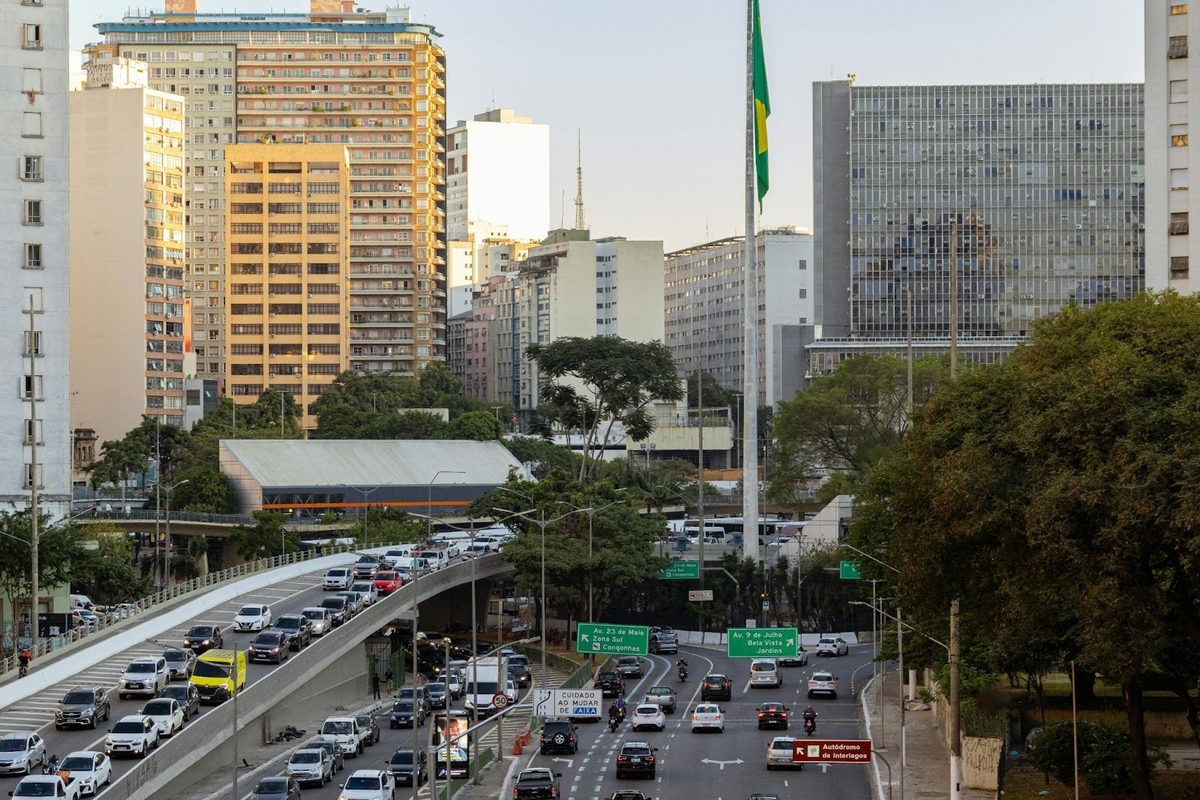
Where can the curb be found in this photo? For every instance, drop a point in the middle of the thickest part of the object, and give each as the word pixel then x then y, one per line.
pixel 862 699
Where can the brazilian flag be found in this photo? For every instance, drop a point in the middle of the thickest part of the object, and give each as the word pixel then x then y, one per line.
pixel 762 109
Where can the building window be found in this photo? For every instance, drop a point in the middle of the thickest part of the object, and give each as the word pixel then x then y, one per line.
pixel 1179 222
pixel 1177 47
pixel 1179 179
pixel 29 473
pixel 33 432
pixel 32 38
pixel 31 125
pixel 33 256
pixel 32 80
pixel 33 343
pixel 1179 91
pixel 30 382
pixel 1178 8
pixel 33 212
pixel 1179 140
pixel 31 168
pixel 1179 266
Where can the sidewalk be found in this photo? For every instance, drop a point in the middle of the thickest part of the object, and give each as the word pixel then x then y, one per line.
pixel 926 772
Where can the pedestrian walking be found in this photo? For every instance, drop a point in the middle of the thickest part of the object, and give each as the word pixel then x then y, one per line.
pixel 375 685
pixel 387 676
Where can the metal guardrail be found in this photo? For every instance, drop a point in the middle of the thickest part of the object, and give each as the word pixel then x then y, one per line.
pixel 176 516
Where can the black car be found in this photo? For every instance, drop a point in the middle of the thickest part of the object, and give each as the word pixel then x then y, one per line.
pixel 333 748
pixel 82 707
pixel 271 646
pixel 437 694
pixel 636 758
pixel 403 717
pixel 187 695
pixel 282 788
pixel 401 767
pixel 629 666
pixel 298 628
pixel 369 724
pixel 609 684
pixel 521 675
pixel 558 736
pixel 338 607
pixel 716 687
pixel 772 715
pixel 202 638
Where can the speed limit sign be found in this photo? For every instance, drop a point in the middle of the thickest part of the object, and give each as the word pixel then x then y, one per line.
pixel 499 700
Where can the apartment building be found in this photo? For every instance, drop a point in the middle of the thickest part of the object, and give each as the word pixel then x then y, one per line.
pixel 705 308
pixel 373 82
pixel 127 243
pixel 1169 166
pixel 288 240
pixel 1032 194
pixel 34 414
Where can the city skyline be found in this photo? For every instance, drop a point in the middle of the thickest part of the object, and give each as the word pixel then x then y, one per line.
pixel 672 179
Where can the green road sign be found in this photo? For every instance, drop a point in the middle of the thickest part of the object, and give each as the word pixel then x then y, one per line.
pixel 624 640
pixel 762 642
pixel 681 571
pixel 851 571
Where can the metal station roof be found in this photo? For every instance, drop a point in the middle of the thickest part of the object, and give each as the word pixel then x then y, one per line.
pixel 386 462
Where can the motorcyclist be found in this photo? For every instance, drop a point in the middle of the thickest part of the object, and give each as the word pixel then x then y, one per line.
pixel 621 705
pixel 614 712
pixel 810 717
pixel 24 658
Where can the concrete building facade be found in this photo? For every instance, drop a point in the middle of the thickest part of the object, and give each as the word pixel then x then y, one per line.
pixel 35 354
pixel 1034 193
pixel 373 82
pixel 128 325
pixel 1169 166
pixel 705 301
pixel 288 240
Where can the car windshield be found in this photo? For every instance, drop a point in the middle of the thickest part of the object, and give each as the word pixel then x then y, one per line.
pixel 772 707
pixel 715 679
pixel 287 622
pixel 762 666
pixel 200 632
pixel 141 667
pixel 179 693
pixel 822 676
pixel 251 611
pixel 362 782
pixel 157 708
pixel 385 576
pixel 336 573
pixel 315 615
pixel 648 710
pixel 12 745
pixel 334 602
pixel 30 789
pixel 175 655
pixel 623 660
pixel 660 690
pixel 206 669
pixel 78 699
pixel 310 757
pixel 405 707
pixel 271 786
pixel 337 727
pixel 635 751
pixel 77 763
pixel 402 757
pixel 781 744
pixel 827 641
pixel 267 638
pixel 128 727
pixel 364 720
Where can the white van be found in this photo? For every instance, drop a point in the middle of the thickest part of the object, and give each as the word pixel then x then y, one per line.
pixel 436 558
pixel 765 672
pixel 400 551
pixel 411 564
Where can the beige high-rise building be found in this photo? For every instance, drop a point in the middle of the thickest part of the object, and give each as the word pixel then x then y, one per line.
pixel 288 251
pixel 126 229
pixel 373 82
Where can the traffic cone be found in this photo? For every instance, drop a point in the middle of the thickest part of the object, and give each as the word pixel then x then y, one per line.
pixel 517 746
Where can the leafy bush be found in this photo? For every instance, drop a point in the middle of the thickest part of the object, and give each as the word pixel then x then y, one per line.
pixel 1103 757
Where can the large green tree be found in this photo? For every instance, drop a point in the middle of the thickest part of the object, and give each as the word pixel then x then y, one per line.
pixel 592 384
pixel 265 538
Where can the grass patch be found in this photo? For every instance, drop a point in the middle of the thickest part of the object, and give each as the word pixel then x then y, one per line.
pixel 1168 785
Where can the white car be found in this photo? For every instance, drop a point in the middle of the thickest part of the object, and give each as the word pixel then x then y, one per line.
pixel 367 591
pixel 453 684
pixel 765 672
pixel 648 715
pixel 369 784
pixel 20 752
pixel 167 715
pixel 779 753
pixel 832 646
pixel 90 768
pixel 135 735
pixel 708 717
pixel 337 578
pixel 822 682
pixel 144 676
pixel 344 731
pixel 255 617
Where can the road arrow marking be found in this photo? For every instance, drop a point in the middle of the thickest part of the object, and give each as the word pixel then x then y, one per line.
pixel 720 763
pixel 570 762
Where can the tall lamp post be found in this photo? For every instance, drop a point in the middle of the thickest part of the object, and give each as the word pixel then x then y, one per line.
pixel 429 498
pixel 591 513
pixel 167 544
pixel 366 495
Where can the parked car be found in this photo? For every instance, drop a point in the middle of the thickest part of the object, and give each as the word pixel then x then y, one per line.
pixel 336 578
pixel 187 695
pixel 832 646
pixel 298 629
pixel 180 663
pixel 636 758
pixel 708 717
pixel 167 715
pixel 387 582
pixel 558 736
pixel 82 707
pixel 648 715
pixel 144 677
pixel 253 617
pixel 716 687
pixel 89 769
pixel 133 735
pixel 664 696
pixel 310 766
pixel 20 752
pixel 772 715
pixel 203 637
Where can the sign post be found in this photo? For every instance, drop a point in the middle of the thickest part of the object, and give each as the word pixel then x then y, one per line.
pixel 831 751
pixel 616 640
pixel 850 570
pixel 681 571
pixel 762 643
pixel 700 595
pixel 574 703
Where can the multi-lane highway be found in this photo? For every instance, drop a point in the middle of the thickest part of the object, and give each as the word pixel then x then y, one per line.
pixel 728 765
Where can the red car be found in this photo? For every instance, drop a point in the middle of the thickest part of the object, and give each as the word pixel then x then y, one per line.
pixel 387 582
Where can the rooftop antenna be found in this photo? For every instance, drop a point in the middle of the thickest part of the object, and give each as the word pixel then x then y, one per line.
pixel 562 210
pixel 579 222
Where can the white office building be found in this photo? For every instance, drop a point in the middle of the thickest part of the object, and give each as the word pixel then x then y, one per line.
pixel 34 292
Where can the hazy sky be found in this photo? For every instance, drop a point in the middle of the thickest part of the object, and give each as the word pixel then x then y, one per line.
pixel 657 86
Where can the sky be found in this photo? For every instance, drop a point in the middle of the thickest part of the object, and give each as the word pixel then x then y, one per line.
pixel 656 88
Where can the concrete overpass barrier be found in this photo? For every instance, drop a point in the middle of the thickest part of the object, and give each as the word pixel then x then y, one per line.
pixel 204 745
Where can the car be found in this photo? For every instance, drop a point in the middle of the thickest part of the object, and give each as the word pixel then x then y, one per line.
pixel 403 716
pixel 144 677
pixel 354 603
pixel 366 567
pixel 180 663
pixel 281 788
pixel 521 675
pixel 298 629
pixel 629 666
pixel 187 695
pixel 45 786
pixel 537 783
pixel 344 731
pixel 663 642
pixel 133 735
pixel 336 578
pixel 772 715
pixel 406 693
pixel 338 608
pixel 82 707
pixel 627 795
pixel 201 638
pixel 664 696
pixel 832 646
pixel 253 617
pixel 765 672
pixel 337 755
pixel 799 660
pixel 438 695
pixel 401 766
pixel 367 591
pixel 319 619
pixel 273 646
pixel 453 684
pixel 20 752
pixel 91 769
pixel 387 582
pixel 779 753
pixel 370 725
pixel 558 736
pixel 716 686
pixel 648 715
pixel 708 717
pixel 636 758
pixel 610 684
pixel 369 784
pixel 310 766
pixel 822 682
pixel 167 715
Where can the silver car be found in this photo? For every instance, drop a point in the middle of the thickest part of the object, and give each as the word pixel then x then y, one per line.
pixel 320 619
pixel 311 766
pixel 21 752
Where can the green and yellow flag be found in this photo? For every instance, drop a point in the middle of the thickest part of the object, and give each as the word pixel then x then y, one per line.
pixel 762 109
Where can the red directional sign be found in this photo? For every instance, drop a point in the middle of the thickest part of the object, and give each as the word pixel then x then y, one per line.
pixel 831 751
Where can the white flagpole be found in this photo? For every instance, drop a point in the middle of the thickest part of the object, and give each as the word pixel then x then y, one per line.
pixel 750 407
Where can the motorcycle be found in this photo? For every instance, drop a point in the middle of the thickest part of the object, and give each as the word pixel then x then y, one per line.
pixel 810 726
pixel 614 722
pixel 682 672
pixel 51 766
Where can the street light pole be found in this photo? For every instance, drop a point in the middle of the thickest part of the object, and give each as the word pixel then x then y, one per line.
pixel 167 544
pixel 429 499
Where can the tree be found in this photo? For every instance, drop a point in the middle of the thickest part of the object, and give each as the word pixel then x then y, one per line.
pixel 619 380
pixel 542 455
pixel 369 405
pixel 715 395
pixel 480 426
pixel 107 574
pixel 207 491
pixel 120 460
pixel 263 539
pixel 59 549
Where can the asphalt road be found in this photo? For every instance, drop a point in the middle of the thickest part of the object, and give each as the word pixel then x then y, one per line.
pixel 729 765
pixel 36 713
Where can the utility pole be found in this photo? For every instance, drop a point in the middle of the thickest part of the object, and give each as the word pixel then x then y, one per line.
pixel 158 479
pixel 33 481
pixel 910 357
pixel 953 297
pixel 900 674
pixel 955 720
pixel 700 485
